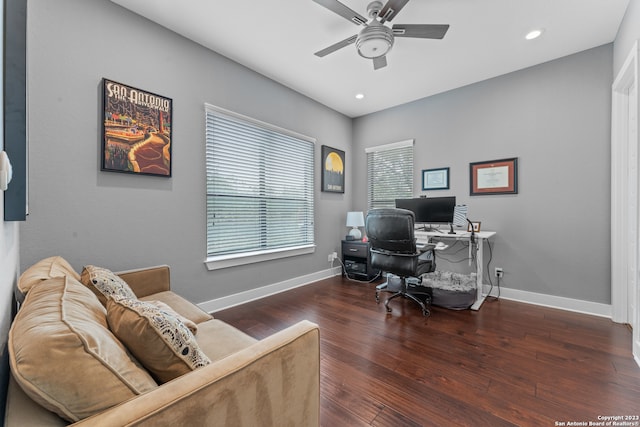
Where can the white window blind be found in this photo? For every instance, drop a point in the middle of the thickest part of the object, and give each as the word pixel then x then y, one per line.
pixel 389 173
pixel 259 186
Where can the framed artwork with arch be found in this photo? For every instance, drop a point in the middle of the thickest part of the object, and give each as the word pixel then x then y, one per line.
pixel 332 170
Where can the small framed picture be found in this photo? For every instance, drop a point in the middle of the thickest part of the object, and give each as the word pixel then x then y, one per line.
pixel 332 169
pixel 435 179
pixel 475 225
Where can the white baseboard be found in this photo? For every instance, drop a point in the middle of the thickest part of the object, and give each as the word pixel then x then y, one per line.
pixel 551 301
pixel 265 291
pixel 562 303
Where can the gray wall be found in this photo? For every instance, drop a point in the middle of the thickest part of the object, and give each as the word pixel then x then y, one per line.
pixel 123 221
pixel 553 237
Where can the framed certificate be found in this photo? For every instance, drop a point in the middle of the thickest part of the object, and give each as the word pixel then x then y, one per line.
pixel 494 177
pixel 435 179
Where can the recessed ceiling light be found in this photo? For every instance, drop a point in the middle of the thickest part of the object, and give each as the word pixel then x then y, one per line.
pixel 360 96
pixel 533 34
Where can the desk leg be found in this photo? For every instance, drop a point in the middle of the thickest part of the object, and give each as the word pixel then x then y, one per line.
pixel 479 274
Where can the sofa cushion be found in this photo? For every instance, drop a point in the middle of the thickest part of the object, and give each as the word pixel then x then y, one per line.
pixel 64 356
pixel 104 283
pixel 47 268
pixel 180 306
pixel 162 343
pixel 218 339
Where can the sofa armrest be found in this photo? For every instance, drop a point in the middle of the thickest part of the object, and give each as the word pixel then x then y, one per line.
pixel 147 281
pixel 275 381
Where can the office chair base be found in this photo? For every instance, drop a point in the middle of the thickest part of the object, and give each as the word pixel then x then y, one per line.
pixel 403 292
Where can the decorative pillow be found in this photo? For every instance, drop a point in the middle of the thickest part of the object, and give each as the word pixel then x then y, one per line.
pixel 47 268
pixel 105 283
pixel 162 343
pixel 166 308
pixel 65 358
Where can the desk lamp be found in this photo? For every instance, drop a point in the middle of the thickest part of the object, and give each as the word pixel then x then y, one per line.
pixel 355 220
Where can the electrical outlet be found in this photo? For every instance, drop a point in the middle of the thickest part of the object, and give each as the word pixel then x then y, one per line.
pixel 332 256
pixel 499 272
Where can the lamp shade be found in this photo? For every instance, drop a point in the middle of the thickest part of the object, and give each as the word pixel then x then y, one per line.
pixel 355 219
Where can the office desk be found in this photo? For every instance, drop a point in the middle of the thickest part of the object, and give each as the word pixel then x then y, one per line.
pixel 423 237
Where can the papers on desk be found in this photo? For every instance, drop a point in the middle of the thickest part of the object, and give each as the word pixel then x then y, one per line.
pixel 440 246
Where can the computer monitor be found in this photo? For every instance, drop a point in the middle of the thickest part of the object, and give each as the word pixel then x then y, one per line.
pixel 430 210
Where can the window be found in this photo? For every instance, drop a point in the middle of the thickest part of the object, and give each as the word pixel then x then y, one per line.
pixel 259 190
pixel 389 173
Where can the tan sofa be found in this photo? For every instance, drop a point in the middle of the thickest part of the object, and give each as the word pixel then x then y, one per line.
pixel 273 382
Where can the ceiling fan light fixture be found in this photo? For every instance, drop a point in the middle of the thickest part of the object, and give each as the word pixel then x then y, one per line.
pixel 374 41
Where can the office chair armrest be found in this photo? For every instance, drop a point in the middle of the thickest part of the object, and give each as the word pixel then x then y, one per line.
pixel 427 247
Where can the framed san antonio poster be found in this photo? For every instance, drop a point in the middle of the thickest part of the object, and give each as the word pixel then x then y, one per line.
pixel 136 131
pixel 332 170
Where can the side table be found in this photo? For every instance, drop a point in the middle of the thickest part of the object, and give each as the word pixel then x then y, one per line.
pixel 357 260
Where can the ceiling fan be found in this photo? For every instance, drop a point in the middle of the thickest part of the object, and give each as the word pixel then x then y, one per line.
pixel 375 40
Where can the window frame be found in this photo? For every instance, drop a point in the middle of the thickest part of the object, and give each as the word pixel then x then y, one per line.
pixel 214 262
pixel 409 143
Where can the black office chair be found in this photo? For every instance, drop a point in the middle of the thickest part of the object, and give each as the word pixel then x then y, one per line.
pixel 393 249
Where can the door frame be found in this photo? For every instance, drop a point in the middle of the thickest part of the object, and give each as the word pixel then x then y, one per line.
pixel 625 213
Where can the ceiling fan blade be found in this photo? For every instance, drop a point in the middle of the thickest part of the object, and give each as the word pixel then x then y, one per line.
pixel 423 31
pixel 342 10
pixel 391 9
pixel 379 62
pixel 334 47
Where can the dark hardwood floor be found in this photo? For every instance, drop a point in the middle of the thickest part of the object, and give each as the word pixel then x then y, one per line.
pixel 509 364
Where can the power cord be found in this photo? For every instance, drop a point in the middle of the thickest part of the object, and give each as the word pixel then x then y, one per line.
pixel 494 298
pixel 489 275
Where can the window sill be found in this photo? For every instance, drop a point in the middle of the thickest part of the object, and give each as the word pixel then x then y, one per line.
pixel 225 261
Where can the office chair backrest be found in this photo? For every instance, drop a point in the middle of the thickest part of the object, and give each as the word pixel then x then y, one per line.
pixel 391 230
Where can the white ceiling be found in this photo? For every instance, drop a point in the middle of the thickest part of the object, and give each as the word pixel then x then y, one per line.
pixel 278 39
